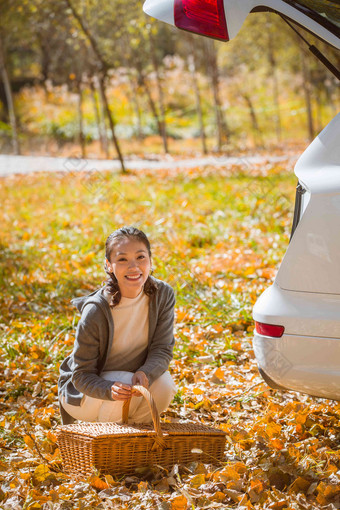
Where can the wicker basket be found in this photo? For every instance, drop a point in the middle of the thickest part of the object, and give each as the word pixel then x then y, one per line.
pixel 120 449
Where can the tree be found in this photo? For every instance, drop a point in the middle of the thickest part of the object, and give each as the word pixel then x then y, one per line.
pixel 213 72
pixel 192 67
pixel 142 33
pixel 9 98
pixel 10 41
pixel 104 67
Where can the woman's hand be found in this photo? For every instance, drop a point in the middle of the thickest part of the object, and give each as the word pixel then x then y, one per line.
pixel 121 391
pixel 140 378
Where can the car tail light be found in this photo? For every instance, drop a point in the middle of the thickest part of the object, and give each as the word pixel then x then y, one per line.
pixel 269 329
pixel 205 17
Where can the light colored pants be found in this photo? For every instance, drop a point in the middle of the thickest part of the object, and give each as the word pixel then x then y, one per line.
pixel 162 389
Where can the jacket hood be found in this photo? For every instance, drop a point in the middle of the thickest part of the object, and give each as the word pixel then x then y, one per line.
pixel 95 297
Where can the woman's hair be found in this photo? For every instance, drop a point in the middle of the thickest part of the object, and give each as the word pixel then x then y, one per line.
pixel 112 286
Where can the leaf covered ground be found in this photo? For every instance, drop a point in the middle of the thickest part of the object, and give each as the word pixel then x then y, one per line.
pixel 218 236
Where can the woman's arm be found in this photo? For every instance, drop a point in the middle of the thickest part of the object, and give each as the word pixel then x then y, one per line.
pixel 160 351
pixel 87 353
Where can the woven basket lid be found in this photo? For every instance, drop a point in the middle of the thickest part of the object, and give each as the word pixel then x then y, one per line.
pixel 95 429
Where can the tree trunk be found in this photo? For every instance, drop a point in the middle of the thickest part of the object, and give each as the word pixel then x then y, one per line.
pixel 82 141
pixel 162 119
pixel 151 102
pixel 9 99
pixel 135 102
pixel 192 69
pixel 253 118
pixel 273 72
pixel 306 84
pixel 111 123
pixel 100 115
pixel 318 115
pixel 213 71
pixel 104 67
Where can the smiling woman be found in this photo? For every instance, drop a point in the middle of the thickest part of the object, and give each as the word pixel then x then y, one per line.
pixel 124 338
pixel 128 264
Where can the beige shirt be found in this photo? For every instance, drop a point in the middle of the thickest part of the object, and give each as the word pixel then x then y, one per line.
pixel 131 329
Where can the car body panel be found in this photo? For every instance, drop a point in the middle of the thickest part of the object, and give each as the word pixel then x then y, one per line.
pixel 308 364
pixel 301 313
pixel 318 168
pixel 163 10
pixel 305 296
pixel 311 263
pixel 236 12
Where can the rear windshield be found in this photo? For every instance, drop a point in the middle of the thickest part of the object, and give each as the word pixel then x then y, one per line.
pixel 329 9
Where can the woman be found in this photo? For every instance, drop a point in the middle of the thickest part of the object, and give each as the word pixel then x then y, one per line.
pixel 124 337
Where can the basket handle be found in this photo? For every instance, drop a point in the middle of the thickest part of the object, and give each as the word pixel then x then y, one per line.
pixel 154 413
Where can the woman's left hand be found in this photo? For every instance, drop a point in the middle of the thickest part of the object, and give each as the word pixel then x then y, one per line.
pixel 140 378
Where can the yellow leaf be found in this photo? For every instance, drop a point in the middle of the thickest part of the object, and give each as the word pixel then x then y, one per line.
pixel 28 442
pixel 326 492
pixel 273 429
pixel 51 437
pixel 97 483
pixel 249 270
pixel 267 273
pixel 25 476
pixel 299 485
pixel 88 257
pixel 218 496
pixel 277 443
pixel 218 328
pixel 228 473
pixel 197 480
pixel 301 417
pixel 219 373
pixel 41 473
pixel 278 505
pixel 179 503
pixel 109 479
pixel 257 486
pixel 236 496
pixel 331 468
pixel 299 428
pixel 14 483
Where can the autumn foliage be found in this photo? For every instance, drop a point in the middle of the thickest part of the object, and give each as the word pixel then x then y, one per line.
pixel 218 236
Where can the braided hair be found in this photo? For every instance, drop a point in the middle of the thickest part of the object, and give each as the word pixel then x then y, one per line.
pixel 112 286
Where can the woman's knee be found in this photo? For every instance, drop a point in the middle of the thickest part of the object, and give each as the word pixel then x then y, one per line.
pixel 164 383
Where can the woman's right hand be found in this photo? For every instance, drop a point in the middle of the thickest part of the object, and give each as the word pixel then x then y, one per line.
pixel 121 391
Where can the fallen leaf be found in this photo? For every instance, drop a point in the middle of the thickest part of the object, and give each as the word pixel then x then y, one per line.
pixel 179 503
pixel 197 480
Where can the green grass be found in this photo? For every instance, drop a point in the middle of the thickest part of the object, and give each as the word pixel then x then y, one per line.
pixel 54 230
pixel 217 237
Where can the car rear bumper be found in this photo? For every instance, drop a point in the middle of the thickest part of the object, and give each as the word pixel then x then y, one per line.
pixel 301 363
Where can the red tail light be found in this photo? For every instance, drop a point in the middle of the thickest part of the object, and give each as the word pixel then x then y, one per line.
pixel 205 17
pixel 269 329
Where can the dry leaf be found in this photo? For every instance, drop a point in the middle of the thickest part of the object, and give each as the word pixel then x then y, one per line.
pixel 179 503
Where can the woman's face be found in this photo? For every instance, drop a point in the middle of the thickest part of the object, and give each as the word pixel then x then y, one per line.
pixel 130 262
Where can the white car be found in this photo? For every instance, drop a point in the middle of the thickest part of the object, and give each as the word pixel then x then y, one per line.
pixel 297 319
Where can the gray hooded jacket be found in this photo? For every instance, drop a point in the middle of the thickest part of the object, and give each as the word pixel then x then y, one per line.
pixel 80 372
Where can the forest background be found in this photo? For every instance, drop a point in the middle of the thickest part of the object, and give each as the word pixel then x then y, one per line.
pixel 94 78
